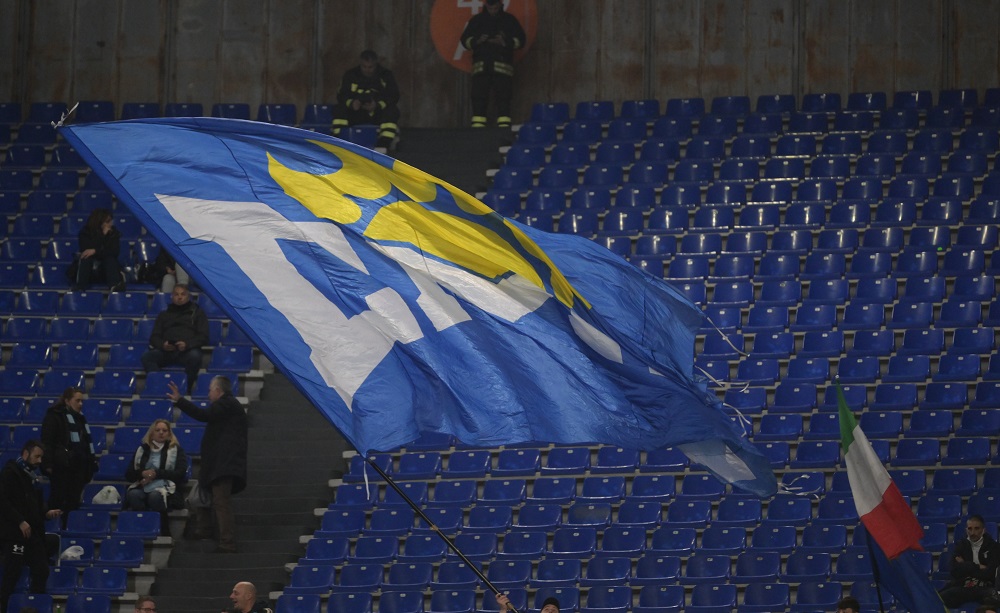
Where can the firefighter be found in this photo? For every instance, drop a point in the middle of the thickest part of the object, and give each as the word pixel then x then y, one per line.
pixel 492 36
pixel 368 95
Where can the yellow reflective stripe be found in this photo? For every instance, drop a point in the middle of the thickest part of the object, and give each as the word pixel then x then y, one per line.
pixel 382 104
pixel 502 68
pixel 503 120
pixel 340 122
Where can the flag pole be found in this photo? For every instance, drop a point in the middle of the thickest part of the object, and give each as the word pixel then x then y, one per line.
pixel 875 571
pixel 420 513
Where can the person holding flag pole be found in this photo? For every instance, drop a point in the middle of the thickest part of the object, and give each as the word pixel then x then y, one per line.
pixel 893 530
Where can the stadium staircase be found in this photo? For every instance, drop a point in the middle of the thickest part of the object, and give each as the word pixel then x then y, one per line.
pixel 460 156
pixel 293 453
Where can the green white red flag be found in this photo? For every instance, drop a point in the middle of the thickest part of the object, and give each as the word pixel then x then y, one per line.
pixel 885 513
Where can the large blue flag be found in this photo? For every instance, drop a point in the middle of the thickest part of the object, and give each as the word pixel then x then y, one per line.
pixel 399 304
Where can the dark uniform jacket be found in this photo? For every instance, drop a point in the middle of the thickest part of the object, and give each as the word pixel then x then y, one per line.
pixel 486 56
pixel 186 323
pixel 20 501
pixel 381 88
pixel 224 446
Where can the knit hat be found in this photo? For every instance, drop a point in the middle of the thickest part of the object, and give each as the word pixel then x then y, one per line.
pixel 551 601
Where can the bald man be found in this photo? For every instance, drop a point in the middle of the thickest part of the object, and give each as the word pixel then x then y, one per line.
pixel 244 599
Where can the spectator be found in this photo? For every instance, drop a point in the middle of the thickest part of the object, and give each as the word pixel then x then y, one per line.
pixel 70 461
pixel 145 604
pixel 848 605
pixel 223 470
pixel 492 36
pixel 368 95
pixel 178 335
pixel 100 244
pixel 22 523
pixel 166 273
pixel 157 474
pixel 551 605
pixel 244 597
pixel 974 564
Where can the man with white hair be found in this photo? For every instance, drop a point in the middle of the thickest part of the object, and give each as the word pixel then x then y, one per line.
pixel 223 470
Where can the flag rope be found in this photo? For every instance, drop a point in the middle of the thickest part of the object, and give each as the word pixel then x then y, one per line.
pixel 420 513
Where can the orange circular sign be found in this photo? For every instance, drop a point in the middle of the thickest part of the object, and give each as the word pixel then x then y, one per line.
pixel 448 19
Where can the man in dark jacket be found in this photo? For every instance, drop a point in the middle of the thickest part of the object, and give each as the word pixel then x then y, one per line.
pixel 223 470
pixel 492 36
pixel 22 523
pixel 974 566
pixel 368 95
pixel 178 335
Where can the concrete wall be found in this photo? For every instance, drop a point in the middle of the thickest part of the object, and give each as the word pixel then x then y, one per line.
pixel 295 50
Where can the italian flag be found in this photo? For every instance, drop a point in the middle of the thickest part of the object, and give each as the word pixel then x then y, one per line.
pixel 882 509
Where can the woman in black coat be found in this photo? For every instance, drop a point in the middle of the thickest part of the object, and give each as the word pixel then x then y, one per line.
pixel 69 460
pixel 100 244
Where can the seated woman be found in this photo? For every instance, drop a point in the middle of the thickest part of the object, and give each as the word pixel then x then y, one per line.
pixel 157 473
pixel 100 244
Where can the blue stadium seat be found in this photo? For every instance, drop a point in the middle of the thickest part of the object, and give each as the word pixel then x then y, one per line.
pixel 687 513
pixel 704 569
pixel 525 545
pixel 793 397
pixel 917 452
pixel 557 490
pixel 113 384
pixel 777 536
pixel 755 142
pixel 967 451
pixel 88 523
pixel 144 110
pixel 802 566
pixel 62 580
pixel 908 368
pixel 930 423
pixel 660 149
pixel 655 487
pixel 42 603
pixel 330 551
pixel 816 454
pixel 555 572
pixel 656 570
pixel 122 551
pixel 573 543
pixel 716 540
pixel 808 121
pixel 762 371
pixel 685 107
pixel 957 367
pixel 637 513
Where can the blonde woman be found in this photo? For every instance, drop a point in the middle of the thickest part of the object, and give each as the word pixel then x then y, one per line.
pixel 157 472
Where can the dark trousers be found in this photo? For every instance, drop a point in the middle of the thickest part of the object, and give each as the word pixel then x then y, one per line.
pixel 35 554
pixel 502 88
pixel 155 359
pixel 222 499
pixel 66 488
pixel 386 119
pixel 954 597
pixel 222 508
pixel 94 269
